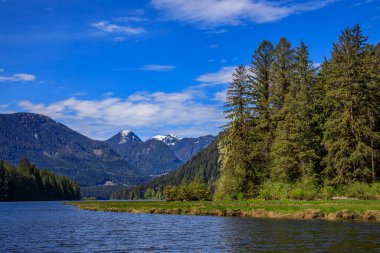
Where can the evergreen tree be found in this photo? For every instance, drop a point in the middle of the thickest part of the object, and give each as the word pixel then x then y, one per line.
pixel 352 103
pixel 294 148
pixel 261 133
pixel 281 77
pixel 234 156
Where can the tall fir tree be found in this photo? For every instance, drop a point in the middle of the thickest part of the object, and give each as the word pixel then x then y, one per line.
pixel 281 77
pixel 262 132
pixel 294 148
pixel 352 104
pixel 234 175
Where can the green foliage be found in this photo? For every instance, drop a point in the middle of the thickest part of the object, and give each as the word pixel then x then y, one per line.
pixel 293 151
pixel 300 126
pixel 361 190
pixel 194 190
pixel 235 177
pixel 270 190
pixel 27 183
pixel 295 131
pixel 352 104
pixel 304 189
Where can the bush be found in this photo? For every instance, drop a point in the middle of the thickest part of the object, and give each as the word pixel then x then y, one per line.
pixel 192 191
pixel 272 190
pixel 374 191
pixel 357 190
pixel 305 189
pixel 327 192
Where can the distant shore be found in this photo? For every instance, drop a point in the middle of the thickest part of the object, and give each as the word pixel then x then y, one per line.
pixel 356 210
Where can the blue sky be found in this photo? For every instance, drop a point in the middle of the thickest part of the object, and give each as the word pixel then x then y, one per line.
pixel 156 67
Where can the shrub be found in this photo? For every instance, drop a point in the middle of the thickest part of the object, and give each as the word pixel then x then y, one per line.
pixel 375 191
pixel 189 191
pixel 327 192
pixel 304 189
pixel 357 190
pixel 272 190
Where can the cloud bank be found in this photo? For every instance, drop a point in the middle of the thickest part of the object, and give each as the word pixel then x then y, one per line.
pixel 183 113
pixel 212 13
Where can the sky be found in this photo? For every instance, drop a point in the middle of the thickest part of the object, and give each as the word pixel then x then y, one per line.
pixel 155 66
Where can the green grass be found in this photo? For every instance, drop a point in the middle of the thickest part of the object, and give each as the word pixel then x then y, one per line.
pixel 293 209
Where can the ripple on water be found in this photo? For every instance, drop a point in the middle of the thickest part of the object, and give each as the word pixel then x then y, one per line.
pixel 54 227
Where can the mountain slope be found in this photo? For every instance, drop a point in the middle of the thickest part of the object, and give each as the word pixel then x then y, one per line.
pixel 203 164
pixel 54 146
pixel 152 157
pixel 186 148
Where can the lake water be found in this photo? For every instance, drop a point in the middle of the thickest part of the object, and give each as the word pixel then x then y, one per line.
pixel 55 227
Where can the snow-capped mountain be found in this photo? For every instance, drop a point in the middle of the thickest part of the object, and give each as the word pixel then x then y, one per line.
pixel 159 154
pixel 52 145
pixel 127 136
pixel 169 139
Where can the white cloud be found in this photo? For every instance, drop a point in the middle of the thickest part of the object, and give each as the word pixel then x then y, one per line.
pixel 153 67
pixel 221 96
pixel 213 46
pixel 20 77
pixel 1 70
pixel 212 13
pixel 3 106
pixel 107 27
pixel 223 76
pixel 142 112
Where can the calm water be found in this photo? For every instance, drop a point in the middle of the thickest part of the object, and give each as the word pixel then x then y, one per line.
pixel 54 227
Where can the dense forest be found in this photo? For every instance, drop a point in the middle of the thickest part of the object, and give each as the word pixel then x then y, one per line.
pixel 295 129
pixel 295 124
pixel 27 183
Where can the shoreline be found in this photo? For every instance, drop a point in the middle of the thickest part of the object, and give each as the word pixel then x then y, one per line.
pixel 332 210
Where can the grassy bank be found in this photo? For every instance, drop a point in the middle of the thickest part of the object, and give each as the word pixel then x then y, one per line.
pixel 361 210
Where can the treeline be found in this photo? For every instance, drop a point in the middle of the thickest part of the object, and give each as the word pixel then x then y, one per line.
pixel 292 123
pixel 203 165
pixel 27 183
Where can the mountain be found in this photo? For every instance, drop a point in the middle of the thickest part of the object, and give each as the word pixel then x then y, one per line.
pixel 169 139
pixel 152 157
pixel 49 144
pixel 159 154
pixel 186 148
pixel 204 165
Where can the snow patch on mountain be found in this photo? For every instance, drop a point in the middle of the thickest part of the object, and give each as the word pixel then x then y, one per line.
pixel 169 139
pixel 128 135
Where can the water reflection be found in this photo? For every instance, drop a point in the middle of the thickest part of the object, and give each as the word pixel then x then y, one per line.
pixel 54 227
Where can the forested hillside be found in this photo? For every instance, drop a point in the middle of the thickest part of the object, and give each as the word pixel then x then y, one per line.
pixel 203 165
pixel 293 125
pixel 27 183
pixel 49 144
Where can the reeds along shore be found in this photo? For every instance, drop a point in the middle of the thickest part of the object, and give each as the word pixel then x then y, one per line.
pixel 324 210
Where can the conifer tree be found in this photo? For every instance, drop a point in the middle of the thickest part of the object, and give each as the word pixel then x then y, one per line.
pixel 352 103
pixel 261 133
pixel 281 76
pixel 293 151
pixel 234 180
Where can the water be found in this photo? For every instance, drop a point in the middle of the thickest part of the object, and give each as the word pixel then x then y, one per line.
pixel 54 227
